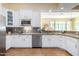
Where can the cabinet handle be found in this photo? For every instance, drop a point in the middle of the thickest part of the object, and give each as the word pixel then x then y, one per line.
pixel 76 46
pixel 49 39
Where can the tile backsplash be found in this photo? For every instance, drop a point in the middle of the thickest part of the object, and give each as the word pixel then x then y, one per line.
pixel 14 30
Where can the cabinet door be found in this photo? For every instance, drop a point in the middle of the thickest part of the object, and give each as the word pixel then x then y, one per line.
pixel 18 41
pixel 46 41
pixel 69 44
pixel 25 14
pixel 72 46
pixel 22 41
pixel 2 10
pixel 9 18
pixel 8 42
pixel 16 19
pixel 36 18
pixel 28 41
pixel 56 41
pixel 51 41
pixel 2 17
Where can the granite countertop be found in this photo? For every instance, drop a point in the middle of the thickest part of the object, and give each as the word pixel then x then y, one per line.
pixel 51 33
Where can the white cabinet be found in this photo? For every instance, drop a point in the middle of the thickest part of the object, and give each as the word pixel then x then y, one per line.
pixel 71 45
pixel 36 19
pixel 16 19
pixel 18 41
pixel 22 14
pixel 25 14
pixel 22 41
pixel 45 42
pixel 28 40
pixel 68 43
pixel 1 9
pixel 9 18
pixel 51 41
pixel 8 42
pixel 2 16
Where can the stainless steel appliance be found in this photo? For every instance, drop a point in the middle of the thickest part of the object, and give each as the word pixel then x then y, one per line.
pixel 25 22
pixel 36 41
pixel 2 41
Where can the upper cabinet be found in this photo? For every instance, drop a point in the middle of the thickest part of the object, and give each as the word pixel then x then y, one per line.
pixel 2 16
pixel 15 18
pixel 36 17
pixel 9 18
pixel 25 14
pixel 1 9
pixel 21 15
pixel 28 15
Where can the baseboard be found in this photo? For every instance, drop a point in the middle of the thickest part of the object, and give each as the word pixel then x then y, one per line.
pixel 36 47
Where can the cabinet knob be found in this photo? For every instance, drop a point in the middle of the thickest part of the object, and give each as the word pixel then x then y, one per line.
pixel 76 46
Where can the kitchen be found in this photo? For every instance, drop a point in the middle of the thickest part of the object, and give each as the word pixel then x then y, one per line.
pixel 37 26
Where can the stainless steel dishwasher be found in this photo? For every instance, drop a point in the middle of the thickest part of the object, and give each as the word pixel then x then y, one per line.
pixel 36 41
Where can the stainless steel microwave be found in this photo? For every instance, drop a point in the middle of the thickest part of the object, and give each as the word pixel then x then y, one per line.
pixel 25 22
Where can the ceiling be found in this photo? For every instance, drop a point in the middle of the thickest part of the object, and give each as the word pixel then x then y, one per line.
pixel 58 8
pixel 44 6
pixel 17 6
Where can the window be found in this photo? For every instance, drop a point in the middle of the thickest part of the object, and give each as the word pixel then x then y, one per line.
pixel 77 26
pixel 60 26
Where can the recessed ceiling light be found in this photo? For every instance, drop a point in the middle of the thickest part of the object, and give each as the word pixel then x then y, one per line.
pixel 50 10
pixel 62 8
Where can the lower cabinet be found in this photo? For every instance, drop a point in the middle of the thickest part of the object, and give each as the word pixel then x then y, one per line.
pixel 64 42
pixel 52 41
pixel 8 42
pixel 19 41
pixel 22 41
pixel 71 45
pixel 25 41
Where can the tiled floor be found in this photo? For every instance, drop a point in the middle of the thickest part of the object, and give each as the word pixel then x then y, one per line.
pixel 37 52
